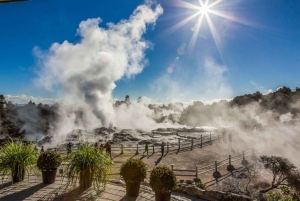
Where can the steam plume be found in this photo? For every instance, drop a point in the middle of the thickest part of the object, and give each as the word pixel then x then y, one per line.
pixel 86 71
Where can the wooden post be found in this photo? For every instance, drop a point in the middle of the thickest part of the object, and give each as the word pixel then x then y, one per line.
pixel 167 147
pixel 201 142
pixel 216 165
pixel 172 167
pixel 229 159
pixel 153 148
pixel 137 149
pixel 243 155
pixel 197 172
pixel 122 149
pixel 179 144
pixel 192 144
pixel 210 138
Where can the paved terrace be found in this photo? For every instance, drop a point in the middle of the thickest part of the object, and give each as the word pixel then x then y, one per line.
pixel 32 189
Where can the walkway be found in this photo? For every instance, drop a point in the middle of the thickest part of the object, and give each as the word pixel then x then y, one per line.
pixel 32 189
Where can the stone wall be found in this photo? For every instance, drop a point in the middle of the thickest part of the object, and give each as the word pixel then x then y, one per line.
pixel 210 195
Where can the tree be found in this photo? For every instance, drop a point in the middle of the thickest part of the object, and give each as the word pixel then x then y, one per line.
pixel 2 98
pixel 284 173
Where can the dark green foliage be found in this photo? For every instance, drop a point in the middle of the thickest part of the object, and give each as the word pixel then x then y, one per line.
pixel 89 161
pixel 201 185
pixel 133 170
pixel 14 158
pixel 163 180
pixel 49 160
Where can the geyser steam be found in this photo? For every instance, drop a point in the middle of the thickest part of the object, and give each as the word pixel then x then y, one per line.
pixel 86 72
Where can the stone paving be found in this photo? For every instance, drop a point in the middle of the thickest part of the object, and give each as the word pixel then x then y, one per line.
pixel 32 189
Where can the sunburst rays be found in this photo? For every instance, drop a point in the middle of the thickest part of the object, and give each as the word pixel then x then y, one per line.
pixel 204 10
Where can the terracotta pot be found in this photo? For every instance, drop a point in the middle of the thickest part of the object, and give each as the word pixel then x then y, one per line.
pixel 133 189
pixel 18 175
pixel 49 176
pixel 162 197
pixel 86 179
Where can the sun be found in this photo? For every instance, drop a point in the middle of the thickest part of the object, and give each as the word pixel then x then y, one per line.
pixel 204 10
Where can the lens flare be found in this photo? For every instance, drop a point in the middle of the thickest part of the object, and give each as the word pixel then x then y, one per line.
pixel 204 10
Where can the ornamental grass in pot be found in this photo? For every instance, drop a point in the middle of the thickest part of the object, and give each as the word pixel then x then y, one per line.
pixel 162 182
pixel 89 166
pixel 133 171
pixel 48 162
pixel 16 159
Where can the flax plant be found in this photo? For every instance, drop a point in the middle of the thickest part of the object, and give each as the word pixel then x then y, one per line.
pixel 16 159
pixel 89 166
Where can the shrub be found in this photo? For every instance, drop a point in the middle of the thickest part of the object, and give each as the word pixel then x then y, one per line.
pixel 89 159
pixel 15 158
pixel 49 160
pixel 163 180
pixel 133 170
pixel 201 185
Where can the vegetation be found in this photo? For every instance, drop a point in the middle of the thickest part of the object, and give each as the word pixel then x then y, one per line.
pixel 49 160
pixel 133 170
pixel 88 164
pixel 17 158
pixel 285 194
pixel 201 185
pixel 162 180
pixel 283 172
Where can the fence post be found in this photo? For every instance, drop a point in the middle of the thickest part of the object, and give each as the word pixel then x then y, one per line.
pixel 243 155
pixel 137 149
pixel 192 144
pixel 122 149
pixel 172 167
pixel 197 172
pixel 179 144
pixel 153 148
pixel 167 147
pixel 216 166
pixel 210 138
pixel 229 159
pixel 201 142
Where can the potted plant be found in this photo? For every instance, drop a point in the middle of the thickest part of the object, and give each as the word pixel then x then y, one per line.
pixel 16 159
pixel 48 163
pixel 133 171
pixel 90 166
pixel 162 182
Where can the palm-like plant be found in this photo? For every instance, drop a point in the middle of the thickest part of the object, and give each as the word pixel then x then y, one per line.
pixel 16 158
pixel 90 166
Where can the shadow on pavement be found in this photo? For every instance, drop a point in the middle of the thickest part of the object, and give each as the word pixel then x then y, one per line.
pixel 23 194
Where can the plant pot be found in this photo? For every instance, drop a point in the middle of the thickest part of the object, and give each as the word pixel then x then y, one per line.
pixel 133 189
pixel 49 176
pixel 162 197
pixel 18 175
pixel 86 179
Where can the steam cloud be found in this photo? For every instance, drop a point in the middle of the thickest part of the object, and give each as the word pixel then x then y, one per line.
pixel 87 71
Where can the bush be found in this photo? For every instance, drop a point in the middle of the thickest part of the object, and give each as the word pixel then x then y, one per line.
pixel 49 160
pixel 89 159
pixel 15 158
pixel 162 180
pixel 133 170
pixel 201 185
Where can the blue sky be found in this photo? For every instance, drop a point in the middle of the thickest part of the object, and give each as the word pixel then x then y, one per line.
pixel 259 52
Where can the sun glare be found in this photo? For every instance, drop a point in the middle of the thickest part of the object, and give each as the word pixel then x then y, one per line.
pixel 205 9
